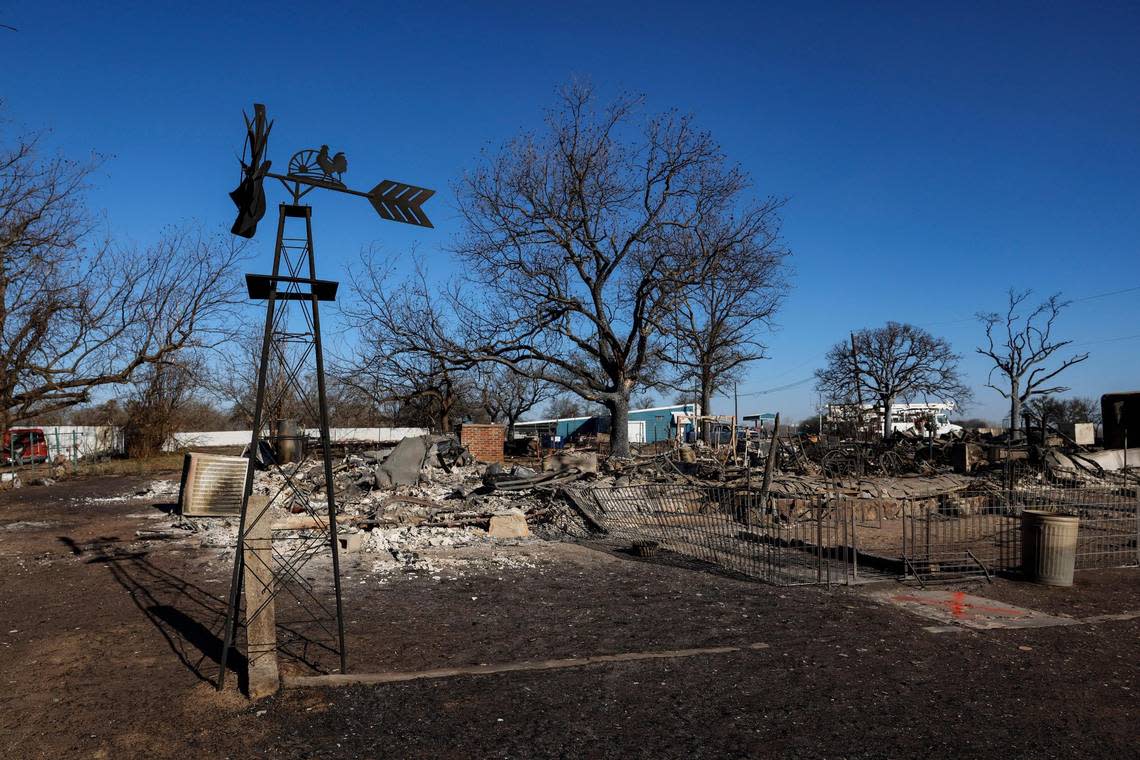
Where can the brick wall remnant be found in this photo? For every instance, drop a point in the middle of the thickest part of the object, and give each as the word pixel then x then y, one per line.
pixel 485 442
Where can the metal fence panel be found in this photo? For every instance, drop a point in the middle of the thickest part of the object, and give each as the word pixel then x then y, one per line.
pixel 837 538
pixel 811 542
pixel 976 533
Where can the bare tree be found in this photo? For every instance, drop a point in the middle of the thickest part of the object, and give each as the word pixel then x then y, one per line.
pixel 574 238
pixel 160 394
pixel 507 395
pixel 898 361
pixel 77 314
pixel 406 351
pixel 563 407
pixel 350 407
pixel 1050 410
pixel 643 399
pixel 715 331
pixel 1020 348
pixel 233 376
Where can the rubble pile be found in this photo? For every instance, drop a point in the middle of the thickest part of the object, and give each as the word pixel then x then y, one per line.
pixel 405 507
pixel 424 494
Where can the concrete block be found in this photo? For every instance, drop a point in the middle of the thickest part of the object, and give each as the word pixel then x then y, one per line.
pixel 402 466
pixel 510 525
pixel 350 543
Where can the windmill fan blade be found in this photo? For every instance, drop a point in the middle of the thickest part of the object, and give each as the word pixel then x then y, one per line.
pixel 249 197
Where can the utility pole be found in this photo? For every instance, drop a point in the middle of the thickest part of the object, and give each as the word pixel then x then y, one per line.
pixel 858 398
pixel 736 422
pixel 858 380
pixel 735 404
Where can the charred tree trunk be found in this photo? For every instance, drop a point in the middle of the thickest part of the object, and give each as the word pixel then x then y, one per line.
pixel 706 406
pixel 1014 408
pixel 447 402
pixel 619 427
pixel 888 408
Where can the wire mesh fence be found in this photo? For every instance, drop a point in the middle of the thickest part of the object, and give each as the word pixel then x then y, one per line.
pixel 807 542
pixel 843 538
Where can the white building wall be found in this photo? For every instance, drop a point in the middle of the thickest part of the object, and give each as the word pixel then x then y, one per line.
pixel 208 439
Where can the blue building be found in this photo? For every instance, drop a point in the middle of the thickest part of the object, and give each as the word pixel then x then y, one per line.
pixel 658 423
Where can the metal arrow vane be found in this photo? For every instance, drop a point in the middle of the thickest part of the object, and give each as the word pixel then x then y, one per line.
pixel 309 169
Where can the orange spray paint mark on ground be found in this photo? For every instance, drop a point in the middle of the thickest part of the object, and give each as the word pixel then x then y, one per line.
pixel 958 606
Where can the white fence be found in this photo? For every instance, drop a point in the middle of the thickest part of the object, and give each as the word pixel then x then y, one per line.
pixel 78 441
pixel 208 439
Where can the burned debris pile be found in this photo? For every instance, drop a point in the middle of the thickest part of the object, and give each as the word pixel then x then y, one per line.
pixel 429 492
pixel 424 492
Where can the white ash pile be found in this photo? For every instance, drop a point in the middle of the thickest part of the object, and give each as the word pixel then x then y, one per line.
pixel 156 490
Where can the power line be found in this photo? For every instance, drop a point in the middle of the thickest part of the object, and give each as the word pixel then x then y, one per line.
pixel 1109 293
pixel 778 388
pixel 1106 294
pixel 1107 340
pixel 1072 300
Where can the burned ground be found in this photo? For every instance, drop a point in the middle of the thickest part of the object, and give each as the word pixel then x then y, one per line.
pixel 110 648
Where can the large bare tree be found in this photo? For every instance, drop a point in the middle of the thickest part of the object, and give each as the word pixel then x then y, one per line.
pixel 575 243
pixel 1021 345
pixel 884 364
pixel 78 313
pixel 716 329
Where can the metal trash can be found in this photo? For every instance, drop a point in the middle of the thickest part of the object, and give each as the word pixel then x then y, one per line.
pixel 290 441
pixel 1048 547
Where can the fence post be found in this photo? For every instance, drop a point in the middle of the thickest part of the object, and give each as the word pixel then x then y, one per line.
pixel 929 557
pixel 819 559
pixel 904 522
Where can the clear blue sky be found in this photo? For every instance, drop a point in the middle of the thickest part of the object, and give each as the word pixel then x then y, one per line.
pixel 933 155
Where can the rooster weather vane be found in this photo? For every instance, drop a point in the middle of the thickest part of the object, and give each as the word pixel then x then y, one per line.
pixel 309 169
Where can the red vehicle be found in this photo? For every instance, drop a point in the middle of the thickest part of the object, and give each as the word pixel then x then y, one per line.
pixel 24 446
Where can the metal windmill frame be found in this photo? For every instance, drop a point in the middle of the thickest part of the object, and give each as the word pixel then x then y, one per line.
pixel 293 288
